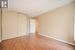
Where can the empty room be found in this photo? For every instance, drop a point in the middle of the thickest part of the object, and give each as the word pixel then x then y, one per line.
pixel 37 25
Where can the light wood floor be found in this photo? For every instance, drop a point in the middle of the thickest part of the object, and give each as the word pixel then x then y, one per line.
pixel 34 43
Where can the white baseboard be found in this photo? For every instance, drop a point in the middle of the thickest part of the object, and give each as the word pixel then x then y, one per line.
pixel 11 35
pixel 0 37
pixel 0 40
pixel 59 40
pixel 8 36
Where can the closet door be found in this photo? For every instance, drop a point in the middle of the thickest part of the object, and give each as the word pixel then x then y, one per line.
pixel 22 24
pixel 32 26
pixel 9 24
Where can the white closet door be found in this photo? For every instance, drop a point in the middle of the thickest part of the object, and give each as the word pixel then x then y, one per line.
pixel 32 25
pixel 22 24
pixel 9 24
pixel 14 24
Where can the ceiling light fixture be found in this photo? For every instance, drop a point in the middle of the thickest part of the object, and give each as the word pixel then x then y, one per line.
pixel 4 3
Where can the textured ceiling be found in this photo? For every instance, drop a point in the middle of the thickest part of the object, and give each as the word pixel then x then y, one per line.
pixel 36 7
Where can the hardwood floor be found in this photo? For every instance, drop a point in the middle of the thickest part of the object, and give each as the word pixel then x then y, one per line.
pixel 33 42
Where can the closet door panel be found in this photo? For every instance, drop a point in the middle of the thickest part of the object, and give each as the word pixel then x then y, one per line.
pixel 9 23
pixel 22 24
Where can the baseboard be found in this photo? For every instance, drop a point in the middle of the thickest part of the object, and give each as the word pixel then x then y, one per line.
pixel 59 40
pixel 0 37
pixel 0 41
pixel 10 36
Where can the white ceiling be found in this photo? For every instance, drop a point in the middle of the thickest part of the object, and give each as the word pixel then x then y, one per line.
pixel 36 7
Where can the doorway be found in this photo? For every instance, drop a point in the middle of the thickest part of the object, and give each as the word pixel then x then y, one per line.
pixel 32 25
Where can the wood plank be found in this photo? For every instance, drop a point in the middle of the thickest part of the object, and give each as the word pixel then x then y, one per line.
pixel 34 42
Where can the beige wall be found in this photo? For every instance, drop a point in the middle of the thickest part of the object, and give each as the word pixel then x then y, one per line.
pixel 14 24
pixel 58 23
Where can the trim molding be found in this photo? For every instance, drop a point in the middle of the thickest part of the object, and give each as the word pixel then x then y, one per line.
pixel 59 40
pixel 11 35
pixel 0 40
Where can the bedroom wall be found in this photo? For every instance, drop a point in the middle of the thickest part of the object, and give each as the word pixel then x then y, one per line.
pixel 58 23
pixel 14 24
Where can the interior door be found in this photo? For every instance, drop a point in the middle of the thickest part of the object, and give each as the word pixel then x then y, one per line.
pixel 32 25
